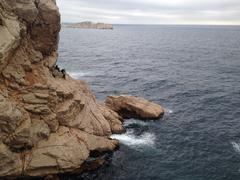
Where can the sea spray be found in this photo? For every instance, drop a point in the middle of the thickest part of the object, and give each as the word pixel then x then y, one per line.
pixel 146 139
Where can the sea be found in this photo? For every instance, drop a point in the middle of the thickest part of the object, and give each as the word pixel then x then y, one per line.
pixel 192 71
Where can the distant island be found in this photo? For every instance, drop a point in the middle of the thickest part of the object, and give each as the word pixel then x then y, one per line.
pixel 91 25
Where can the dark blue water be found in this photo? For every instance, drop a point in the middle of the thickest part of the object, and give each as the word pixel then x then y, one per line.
pixel 193 71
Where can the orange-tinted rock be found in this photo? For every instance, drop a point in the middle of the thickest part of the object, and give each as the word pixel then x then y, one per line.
pixel 49 122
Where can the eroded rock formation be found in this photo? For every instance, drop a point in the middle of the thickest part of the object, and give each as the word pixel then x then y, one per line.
pixel 134 107
pixel 49 122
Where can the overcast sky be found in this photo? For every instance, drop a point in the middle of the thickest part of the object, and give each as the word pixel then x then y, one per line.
pixel 151 11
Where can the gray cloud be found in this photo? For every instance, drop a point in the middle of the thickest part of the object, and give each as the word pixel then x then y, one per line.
pixel 152 11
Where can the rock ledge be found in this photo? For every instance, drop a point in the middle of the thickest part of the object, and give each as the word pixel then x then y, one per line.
pixel 134 107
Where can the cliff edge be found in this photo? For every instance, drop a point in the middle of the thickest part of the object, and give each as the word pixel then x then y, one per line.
pixel 49 122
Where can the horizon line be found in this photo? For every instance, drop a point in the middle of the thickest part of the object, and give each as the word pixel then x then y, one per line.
pixel 158 24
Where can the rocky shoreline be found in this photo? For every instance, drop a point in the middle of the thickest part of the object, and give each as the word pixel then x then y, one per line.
pixel 50 123
pixel 91 25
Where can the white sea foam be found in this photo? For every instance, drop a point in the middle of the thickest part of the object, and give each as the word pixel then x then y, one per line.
pixel 236 146
pixel 78 74
pixel 134 121
pixel 168 111
pixel 146 139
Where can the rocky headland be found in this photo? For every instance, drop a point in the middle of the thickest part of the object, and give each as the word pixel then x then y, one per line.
pixel 91 25
pixel 50 123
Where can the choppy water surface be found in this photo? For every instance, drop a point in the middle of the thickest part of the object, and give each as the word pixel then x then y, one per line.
pixel 193 71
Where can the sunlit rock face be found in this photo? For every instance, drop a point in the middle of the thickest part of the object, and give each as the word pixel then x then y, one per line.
pixel 49 122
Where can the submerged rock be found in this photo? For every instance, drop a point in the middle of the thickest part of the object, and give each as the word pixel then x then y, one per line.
pixel 134 107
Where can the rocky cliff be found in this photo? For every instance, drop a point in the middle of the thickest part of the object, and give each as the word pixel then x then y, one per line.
pixel 49 122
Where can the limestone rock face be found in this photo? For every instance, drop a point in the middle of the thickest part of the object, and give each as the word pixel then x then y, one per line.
pixel 49 122
pixel 134 107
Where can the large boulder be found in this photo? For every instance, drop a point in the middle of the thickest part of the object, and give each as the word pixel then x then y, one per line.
pixel 134 107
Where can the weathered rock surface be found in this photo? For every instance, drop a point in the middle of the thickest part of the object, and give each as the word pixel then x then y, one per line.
pixel 91 25
pixel 49 122
pixel 134 107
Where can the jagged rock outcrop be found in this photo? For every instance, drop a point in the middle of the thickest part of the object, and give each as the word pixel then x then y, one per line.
pixel 49 122
pixel 134 107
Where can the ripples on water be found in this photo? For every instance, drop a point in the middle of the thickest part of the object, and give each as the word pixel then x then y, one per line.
pixel 192 70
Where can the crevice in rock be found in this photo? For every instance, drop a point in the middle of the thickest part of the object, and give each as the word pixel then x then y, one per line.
pixel 1 22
